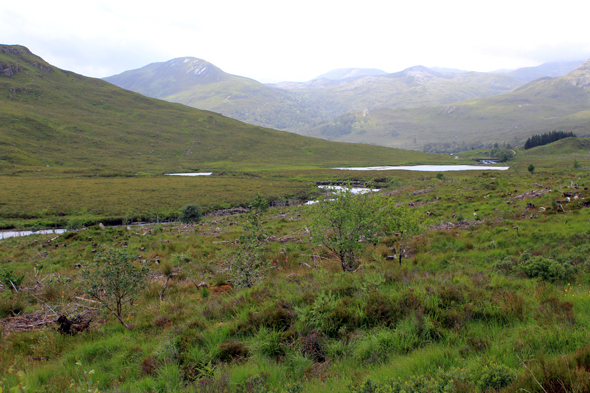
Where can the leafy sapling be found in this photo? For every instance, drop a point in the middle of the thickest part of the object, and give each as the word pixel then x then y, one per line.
pixel 399 221
pixel 113 280
pixel 246 264
pixel 344 223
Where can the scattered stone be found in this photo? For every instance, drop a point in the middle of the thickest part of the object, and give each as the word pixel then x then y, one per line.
pixel 531 194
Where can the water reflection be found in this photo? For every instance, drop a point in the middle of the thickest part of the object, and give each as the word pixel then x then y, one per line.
pixel 429 168
pixel 9 234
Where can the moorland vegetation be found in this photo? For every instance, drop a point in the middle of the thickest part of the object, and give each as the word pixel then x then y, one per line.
pixel 492 294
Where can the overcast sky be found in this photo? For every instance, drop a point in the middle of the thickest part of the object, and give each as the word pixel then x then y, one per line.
pixel 274 40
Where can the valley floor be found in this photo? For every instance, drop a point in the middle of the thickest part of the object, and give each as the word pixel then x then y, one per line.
pixel 493 294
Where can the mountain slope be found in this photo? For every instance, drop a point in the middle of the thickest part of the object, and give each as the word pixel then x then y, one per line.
pixel 297 107
pixel 553 69
pixel 197 83
pixel 415 86
pixel 539 106
pixel 53 117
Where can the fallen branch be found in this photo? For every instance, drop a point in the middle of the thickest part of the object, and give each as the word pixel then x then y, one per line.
pixel 13 286
pixel 86 300
pixel 165 286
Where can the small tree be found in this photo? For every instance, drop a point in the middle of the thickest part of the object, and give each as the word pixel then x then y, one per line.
pixel 399 221
pixel 190 213
pixel 113 280
pixel 531 168
pixel 344 224
pixel 254 218
pixel 246 265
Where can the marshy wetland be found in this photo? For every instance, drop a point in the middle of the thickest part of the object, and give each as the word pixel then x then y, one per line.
pixel 493 290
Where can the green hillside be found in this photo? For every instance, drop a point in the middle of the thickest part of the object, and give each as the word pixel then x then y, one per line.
pixel 415 86
pixel 200 84
pixel 540 106
pixel 58 118
pixel 297 107
pixel 567 146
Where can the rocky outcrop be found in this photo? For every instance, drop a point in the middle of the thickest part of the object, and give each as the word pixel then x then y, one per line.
pixel 12 69
pixel 41 67
pixel 12 50
pixel 9 69
pixel 579 77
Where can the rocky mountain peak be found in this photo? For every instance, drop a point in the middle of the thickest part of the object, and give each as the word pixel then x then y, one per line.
pixel 585 66
pixel 580 76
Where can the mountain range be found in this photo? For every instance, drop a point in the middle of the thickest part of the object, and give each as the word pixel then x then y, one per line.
pixel 353 104
pixel 55 118
pixel 543 105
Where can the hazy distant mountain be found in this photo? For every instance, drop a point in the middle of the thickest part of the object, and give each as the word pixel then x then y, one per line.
pixel 553 70
pixel 297 107
pixel 414 86
pixel 200 84
pixel 542 105
pixel 327 106
pixel 343 73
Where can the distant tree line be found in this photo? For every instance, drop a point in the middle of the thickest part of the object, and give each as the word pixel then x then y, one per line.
pixel 549 137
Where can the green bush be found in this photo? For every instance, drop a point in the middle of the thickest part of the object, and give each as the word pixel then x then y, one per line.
pixel 495 376
pixel 440 381
pixel 547 269
pixel 190 213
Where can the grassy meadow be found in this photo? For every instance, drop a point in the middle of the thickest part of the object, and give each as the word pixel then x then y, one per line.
pixel 493 295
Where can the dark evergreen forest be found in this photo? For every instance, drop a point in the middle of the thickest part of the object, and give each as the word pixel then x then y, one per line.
pixel 549 137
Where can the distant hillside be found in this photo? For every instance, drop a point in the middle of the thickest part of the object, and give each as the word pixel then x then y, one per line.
pixel 297 107
pixel 200 84
pixel 414 86
pixel 554 69
pixel 562 146
pixel 51 117
pixel 401 109
pixel 540 106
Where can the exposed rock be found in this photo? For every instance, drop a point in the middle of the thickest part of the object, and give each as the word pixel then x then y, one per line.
pixel 531 194
pixel 9 69
pixel 10 50
pixel 41 67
